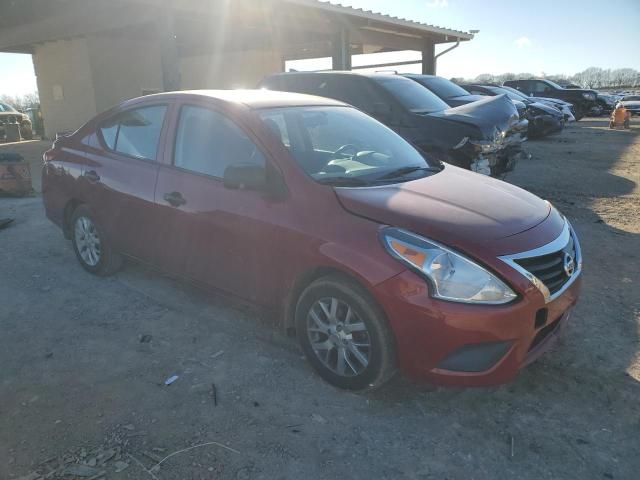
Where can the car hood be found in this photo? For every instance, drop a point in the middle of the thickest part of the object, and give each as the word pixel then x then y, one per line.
pixel 455 206
pixel 486 114
pixel 464 99
pixel 550 100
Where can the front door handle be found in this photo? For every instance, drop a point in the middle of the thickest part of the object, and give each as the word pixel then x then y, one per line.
pixel 92 176
pixel 175 199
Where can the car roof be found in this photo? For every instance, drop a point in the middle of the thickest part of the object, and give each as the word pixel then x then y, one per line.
pixel 419 75
pixel 254 99
pixel 340 73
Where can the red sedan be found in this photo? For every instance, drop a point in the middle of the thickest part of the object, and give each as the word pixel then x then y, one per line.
pixel 378 257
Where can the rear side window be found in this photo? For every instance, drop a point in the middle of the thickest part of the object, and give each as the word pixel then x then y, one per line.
pixel 135 133
pixel 109 133
pixel 352 90
pixel 207 142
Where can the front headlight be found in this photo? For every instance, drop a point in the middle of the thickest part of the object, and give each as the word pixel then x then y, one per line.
pixel 451 276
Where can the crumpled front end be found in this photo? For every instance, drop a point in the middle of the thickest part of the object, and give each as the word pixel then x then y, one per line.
pixel 495 157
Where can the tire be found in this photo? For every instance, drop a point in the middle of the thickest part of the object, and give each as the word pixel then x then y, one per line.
pixel 332 335
pixel 579 115
pixel 91 245
pixel 26 132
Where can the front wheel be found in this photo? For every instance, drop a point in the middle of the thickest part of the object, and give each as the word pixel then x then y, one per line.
pixel 345 335
pixel 91 245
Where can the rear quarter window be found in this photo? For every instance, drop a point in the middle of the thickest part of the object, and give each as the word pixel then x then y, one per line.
pixel 135 133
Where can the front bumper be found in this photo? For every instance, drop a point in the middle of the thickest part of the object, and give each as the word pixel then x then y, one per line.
pixel 475 345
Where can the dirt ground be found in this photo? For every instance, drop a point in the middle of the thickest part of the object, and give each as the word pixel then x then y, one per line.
pixel 83 362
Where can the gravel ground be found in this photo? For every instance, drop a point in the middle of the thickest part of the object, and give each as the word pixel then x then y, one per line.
pixel 83 362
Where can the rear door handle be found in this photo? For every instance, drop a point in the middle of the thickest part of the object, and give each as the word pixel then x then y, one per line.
pixel 92 176
pixel 175 199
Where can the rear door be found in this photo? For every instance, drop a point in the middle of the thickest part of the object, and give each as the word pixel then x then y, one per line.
pixel 120 176
pixel 209 233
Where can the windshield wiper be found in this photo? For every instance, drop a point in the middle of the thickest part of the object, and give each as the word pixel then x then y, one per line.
pixel 399 172
pixel 343 182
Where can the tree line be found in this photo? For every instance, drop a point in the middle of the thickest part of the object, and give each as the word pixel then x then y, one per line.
pixel 21 102
pixel 592 77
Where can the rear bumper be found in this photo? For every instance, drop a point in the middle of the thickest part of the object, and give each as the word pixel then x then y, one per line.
pixel 456 344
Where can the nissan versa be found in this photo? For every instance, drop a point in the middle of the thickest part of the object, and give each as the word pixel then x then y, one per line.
pixel 377 256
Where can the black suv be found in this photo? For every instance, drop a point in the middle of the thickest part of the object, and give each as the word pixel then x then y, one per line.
pixel 484 136
pixel 583 100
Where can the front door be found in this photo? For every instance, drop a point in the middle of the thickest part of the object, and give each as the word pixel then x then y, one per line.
pixel 215 235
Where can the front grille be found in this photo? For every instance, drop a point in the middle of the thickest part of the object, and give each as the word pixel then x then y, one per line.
pixel 550 268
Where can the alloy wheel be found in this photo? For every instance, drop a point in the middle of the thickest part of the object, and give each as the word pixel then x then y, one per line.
pixel 338 337
pixel 87 241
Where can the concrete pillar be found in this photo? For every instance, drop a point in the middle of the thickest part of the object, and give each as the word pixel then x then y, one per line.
pixel 169 51
pixel 341 45
pixel 428 58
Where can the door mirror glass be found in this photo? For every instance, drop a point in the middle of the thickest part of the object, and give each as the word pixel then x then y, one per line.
pixel 249 177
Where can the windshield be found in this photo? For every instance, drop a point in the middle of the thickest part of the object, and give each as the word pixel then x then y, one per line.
pixel 554 84
pixel 412 96
pixel 512 95
pixel 6 108
pixel 442 87
pixel 343 146
pixel 512 90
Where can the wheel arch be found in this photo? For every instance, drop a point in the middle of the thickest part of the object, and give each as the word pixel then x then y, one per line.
pixel 306 279
pixel 69 208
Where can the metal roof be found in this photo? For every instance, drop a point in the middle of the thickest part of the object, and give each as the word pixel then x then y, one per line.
pixel 380 17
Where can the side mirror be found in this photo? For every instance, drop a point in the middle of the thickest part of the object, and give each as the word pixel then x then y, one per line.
pixel 249 177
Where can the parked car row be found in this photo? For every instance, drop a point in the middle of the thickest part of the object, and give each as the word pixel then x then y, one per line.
pixel 483 136
pixel 631 103
pixel 10 116
pixel 379 256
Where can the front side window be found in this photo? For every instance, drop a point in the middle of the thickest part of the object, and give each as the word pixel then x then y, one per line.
pixel 343 146
pixel 135 133
pixel 207 142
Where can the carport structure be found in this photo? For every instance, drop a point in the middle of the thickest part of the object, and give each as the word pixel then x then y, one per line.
pixel 89 54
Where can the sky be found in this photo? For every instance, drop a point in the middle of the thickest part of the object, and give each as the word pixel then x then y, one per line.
pixel 541 36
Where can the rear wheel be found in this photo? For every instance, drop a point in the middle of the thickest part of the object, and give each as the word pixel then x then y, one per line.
pixel 91 245
pixel 345 335
pixel 26 131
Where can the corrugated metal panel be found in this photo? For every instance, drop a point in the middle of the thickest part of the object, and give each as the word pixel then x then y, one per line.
pixel 380 17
